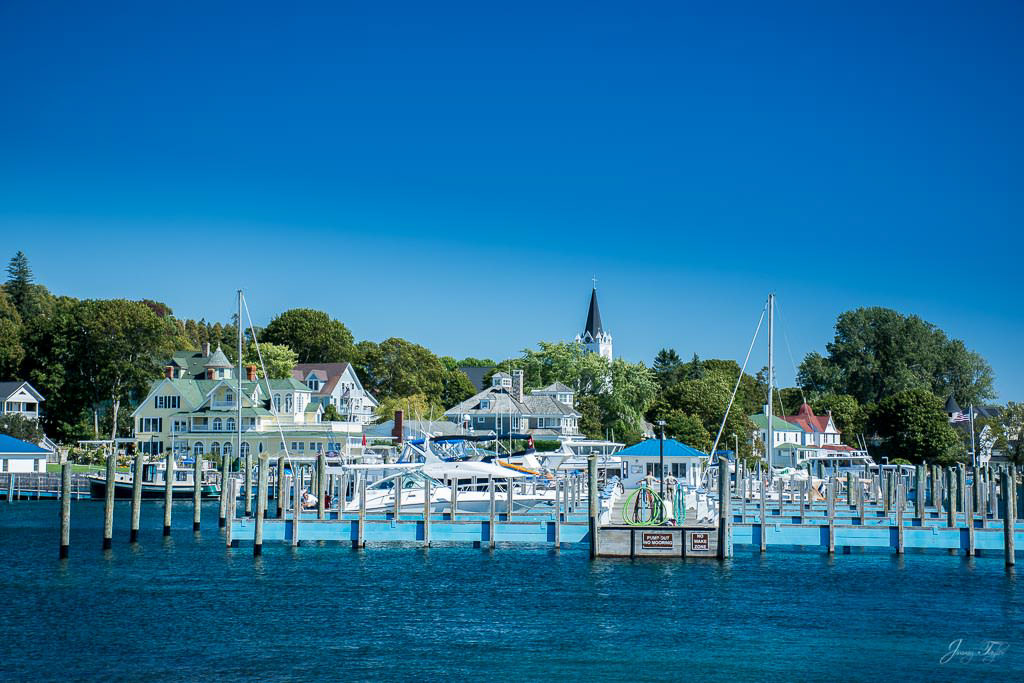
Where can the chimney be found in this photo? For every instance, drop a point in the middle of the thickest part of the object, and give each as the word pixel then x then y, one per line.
pixel 250 373
pixel 169 371
pixel 396 431
pixel 206 349
pixel 517 385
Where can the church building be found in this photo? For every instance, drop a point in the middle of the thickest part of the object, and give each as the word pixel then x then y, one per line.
pixel 595 338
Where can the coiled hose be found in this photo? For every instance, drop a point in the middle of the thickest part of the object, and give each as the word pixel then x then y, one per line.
pixel 643 507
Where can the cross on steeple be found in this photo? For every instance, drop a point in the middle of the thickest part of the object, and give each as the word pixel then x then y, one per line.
pixel 595 281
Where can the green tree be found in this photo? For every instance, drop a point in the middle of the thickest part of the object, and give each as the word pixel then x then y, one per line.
pixel 878 352
pixel 331 414
pixel 396 368
pixel 848 415
pixel 313 335
pixel 21 427
pixel 414 407
pixel 456 386
pixel 11 350
pixel 915 426
pixel 278 358
pixel 688 429
pixel 471 362
pixel 667 368
pixel 19 281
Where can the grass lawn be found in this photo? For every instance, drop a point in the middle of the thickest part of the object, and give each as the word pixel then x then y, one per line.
pixel 55 467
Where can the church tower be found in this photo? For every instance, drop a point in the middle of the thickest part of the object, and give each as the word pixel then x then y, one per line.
pixel 595 338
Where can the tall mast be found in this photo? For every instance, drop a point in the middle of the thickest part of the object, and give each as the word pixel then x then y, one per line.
pixel 769 447
pixel 238 393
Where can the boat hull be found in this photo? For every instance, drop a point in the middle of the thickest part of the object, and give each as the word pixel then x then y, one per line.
pixel 123 490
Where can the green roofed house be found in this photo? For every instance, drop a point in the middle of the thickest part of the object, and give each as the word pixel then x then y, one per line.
pixel 195 410
pixel 788 438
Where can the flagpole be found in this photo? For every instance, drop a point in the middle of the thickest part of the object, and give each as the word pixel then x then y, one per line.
pixel 974 453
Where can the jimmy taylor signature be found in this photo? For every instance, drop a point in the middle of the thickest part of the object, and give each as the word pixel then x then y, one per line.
pixel 988 652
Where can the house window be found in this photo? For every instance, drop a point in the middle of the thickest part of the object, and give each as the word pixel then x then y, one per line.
pixel 243 450
pixel 217 424
pixel 197 449
pixel 180 426
pixel 35 465
pixel 151 424
pixel 277 403
pixel 167 402
pixel 230 424
pixel 485 404
pixel 215 449
pixel 229 397
pixel 6 463
pixel 227 449
pixel 480 419
pixel 288 403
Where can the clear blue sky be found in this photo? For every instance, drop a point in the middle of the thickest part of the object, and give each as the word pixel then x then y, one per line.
pixel 455 173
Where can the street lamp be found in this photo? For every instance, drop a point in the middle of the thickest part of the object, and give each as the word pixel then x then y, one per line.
pixel 661 457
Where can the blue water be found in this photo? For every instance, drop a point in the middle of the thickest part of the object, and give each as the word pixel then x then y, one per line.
pixel 188 609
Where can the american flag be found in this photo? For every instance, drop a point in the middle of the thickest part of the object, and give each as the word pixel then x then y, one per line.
pixel 960 416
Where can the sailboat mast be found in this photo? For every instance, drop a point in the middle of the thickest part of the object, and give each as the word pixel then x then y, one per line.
pixel 771 378
pixel 238 393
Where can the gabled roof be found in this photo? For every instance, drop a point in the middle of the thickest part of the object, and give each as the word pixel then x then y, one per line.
pixel 593 326
pixel 11 446
pixel 951 405
pixel 218 360
pixel 330 373
pixel 8 388
pixel 557 387
pixel 652 447
pixel 760 421
pixel 548 405
pixel 808 421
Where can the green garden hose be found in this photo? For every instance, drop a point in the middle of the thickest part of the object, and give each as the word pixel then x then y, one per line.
pixel 643 507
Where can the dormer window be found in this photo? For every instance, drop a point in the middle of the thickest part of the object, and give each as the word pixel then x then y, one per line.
pixel 485 404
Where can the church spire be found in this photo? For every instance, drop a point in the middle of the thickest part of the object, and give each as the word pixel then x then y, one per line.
pixel 595 337
pixel 594 326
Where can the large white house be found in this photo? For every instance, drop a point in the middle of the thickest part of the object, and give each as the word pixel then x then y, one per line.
pixel 503 408
pixel 338 385
pixel 19 398
pixel 199 416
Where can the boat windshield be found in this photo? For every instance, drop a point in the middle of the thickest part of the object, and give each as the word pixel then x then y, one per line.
pixel 410 480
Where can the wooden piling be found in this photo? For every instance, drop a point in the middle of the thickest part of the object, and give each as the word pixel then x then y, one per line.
pixel 595 540
pixel 108 501
pixel 950 497
pixel 849 489
pixel 168 490
pixel 426 512
pixel 490 486
pixel 937 488
pixel 453 502
pixel 279 488
pixel 65 509
pixel 230 521
pixel 399 482
pixel 261 505
pixel 361 526
pixel 724 508
pixel 225 474
pixel 558 513
pixel 900 504
pixel 1009 486
pixel 133 534
pixel 831 518
pixel 296 506
pixel 764 529
pixel 969 517
pixel 197 491
pixel 889 480
pixel 321 485
pixel 920 492
pixel 248 484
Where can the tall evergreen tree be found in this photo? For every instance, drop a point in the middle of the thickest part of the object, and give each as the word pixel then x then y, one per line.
pixel 19 281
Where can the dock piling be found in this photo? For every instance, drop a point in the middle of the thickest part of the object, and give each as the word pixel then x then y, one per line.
pixel 426 513
pixel 261 505
pixel 133 534
pixel 919 493
pixel 108 501
pixel 595 541
pixel 724 509
pixel 168 491
pixel 1009 486
pixel 361 527
pixel 296 506
pixel 65 509
pixel 197 490
pixel 321 485
pixel 279 487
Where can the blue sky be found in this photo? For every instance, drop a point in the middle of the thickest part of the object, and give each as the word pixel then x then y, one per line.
pixel 456 173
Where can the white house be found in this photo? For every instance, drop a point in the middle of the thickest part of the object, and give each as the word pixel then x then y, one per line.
pixel 20 456
pixel 503 408
pixel 818 430
pixel 19 398
pixel 787 437
pixel 338 385
pixel 639 460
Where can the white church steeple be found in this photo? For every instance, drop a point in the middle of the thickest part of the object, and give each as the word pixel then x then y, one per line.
pixel 595 338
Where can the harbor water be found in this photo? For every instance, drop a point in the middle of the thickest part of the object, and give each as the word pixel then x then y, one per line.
pixel 187 608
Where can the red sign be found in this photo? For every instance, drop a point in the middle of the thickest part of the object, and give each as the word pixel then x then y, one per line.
pixel 655 540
